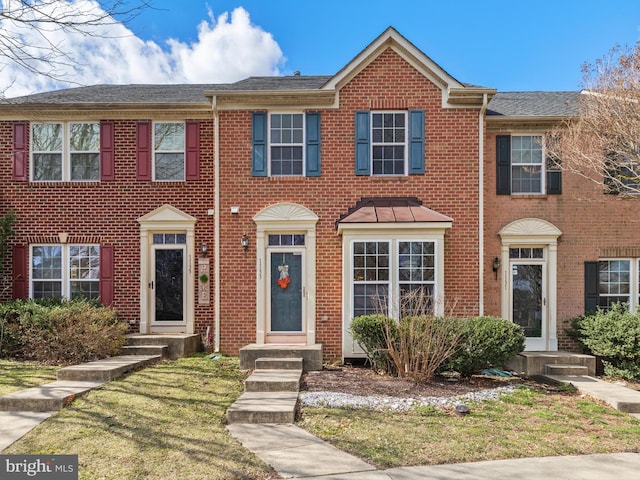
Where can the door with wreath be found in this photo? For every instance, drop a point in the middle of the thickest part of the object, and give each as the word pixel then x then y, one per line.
pixel 287 291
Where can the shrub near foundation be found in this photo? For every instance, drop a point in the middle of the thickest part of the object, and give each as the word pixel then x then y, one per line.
pixel 486 342
pixel 613 335
pixel 62 332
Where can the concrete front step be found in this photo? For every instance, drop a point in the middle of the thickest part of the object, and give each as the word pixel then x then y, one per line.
pixel 180 344
pixel 45 398
pixel 559 369
pixel 279 363
pixel 311 354
pixel 162 350
pixel 263 407
pixel 273 381
pixel 535 363
pixel 621 398
pixel 106 369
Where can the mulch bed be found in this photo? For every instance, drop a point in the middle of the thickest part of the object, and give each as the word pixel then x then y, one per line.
pixel 357 380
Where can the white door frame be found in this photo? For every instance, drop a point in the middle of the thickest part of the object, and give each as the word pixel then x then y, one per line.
pixel 285 218
pixel 533 343
pixel 537 233
pixel 166 219
pixel 271 282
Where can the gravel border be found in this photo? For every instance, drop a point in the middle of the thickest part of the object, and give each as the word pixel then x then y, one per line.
pixel 384 402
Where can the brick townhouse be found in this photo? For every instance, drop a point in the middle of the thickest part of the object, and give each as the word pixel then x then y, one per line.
pixel 275 209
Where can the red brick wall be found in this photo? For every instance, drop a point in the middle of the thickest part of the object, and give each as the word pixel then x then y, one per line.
pixel 589 220
pixel 107 211
pixel 449 186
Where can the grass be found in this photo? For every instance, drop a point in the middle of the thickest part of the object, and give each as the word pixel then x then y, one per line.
pixel 22 375
pixel 525 423
pixel 165 421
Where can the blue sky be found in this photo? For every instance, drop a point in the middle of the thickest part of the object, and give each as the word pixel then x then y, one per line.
pixel 510 45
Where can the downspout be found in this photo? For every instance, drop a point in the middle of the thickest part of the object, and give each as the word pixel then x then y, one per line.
pixel 485 103
pixel 216 220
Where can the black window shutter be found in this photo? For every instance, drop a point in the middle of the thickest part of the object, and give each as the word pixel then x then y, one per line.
pixel 554 182
pixel 591 286
pixel 503 164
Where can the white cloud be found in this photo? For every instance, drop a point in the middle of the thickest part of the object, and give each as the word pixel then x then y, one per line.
pixel 227 49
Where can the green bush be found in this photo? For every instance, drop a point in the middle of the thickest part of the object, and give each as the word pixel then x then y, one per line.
pixel 370 333
pixel 486 342
pixel 59 332
pixel 613 335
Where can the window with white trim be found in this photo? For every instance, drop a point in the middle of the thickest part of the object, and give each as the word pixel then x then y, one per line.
pixel 527 166
pixel 286 144
pixel 169 151
pixel 619 282
pixel 394 278
pixel 65 271
pixel 65 151
pixel 389 143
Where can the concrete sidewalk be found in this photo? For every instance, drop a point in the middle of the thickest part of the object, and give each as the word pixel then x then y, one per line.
pixel 295 453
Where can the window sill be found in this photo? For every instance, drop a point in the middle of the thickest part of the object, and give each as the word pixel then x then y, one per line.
pixel 529 196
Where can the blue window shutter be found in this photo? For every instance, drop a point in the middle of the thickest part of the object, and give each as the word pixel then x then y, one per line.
pixel 313 144
pixel 503 164
pixel 416 142
pixel 363 157
pixel 259 144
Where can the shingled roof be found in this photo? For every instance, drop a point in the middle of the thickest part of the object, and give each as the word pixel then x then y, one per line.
pixel 534 104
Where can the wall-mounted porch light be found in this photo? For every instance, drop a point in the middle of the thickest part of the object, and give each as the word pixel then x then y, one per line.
pixel 244 241
pixel 203 249
pixel 496 266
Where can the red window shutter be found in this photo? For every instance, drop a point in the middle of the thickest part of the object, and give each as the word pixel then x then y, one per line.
pixel 143 151
pixel 107 163
pixel 106 274
pixel 192 160
pixel 20 151
pixel 20 285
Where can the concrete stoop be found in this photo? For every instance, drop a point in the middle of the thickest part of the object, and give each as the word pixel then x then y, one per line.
pixel 533 364
pixel 168 345
pixel 271 392
pixel 106 369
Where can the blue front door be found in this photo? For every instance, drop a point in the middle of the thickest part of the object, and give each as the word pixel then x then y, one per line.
pixel 286 292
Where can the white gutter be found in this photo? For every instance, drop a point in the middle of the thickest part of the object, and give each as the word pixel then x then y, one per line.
pixel 216 220
pixel 485 103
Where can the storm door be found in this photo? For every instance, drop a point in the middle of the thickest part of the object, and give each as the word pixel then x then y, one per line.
pixel 286 292
pixel 168 279
pixel 528 295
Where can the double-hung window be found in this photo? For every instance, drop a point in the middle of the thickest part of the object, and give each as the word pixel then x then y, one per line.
pixel 522 167
pixel 389 143
pixel 65 271
pixel 67 151
pixel 169 151
pixel 395 278
pixel 285 144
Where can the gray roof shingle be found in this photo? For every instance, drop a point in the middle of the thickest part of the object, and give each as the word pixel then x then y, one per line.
pixel 534 104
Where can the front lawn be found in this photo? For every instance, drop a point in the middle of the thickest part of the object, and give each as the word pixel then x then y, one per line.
pixel 22 375
pixel 163 422
pixel 525 423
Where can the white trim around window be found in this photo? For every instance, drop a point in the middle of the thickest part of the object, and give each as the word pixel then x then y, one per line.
pixel 389 140
pixel 619 281
pixel 64 271
pixel 65 151
pixel 286 141
pixel 169 151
